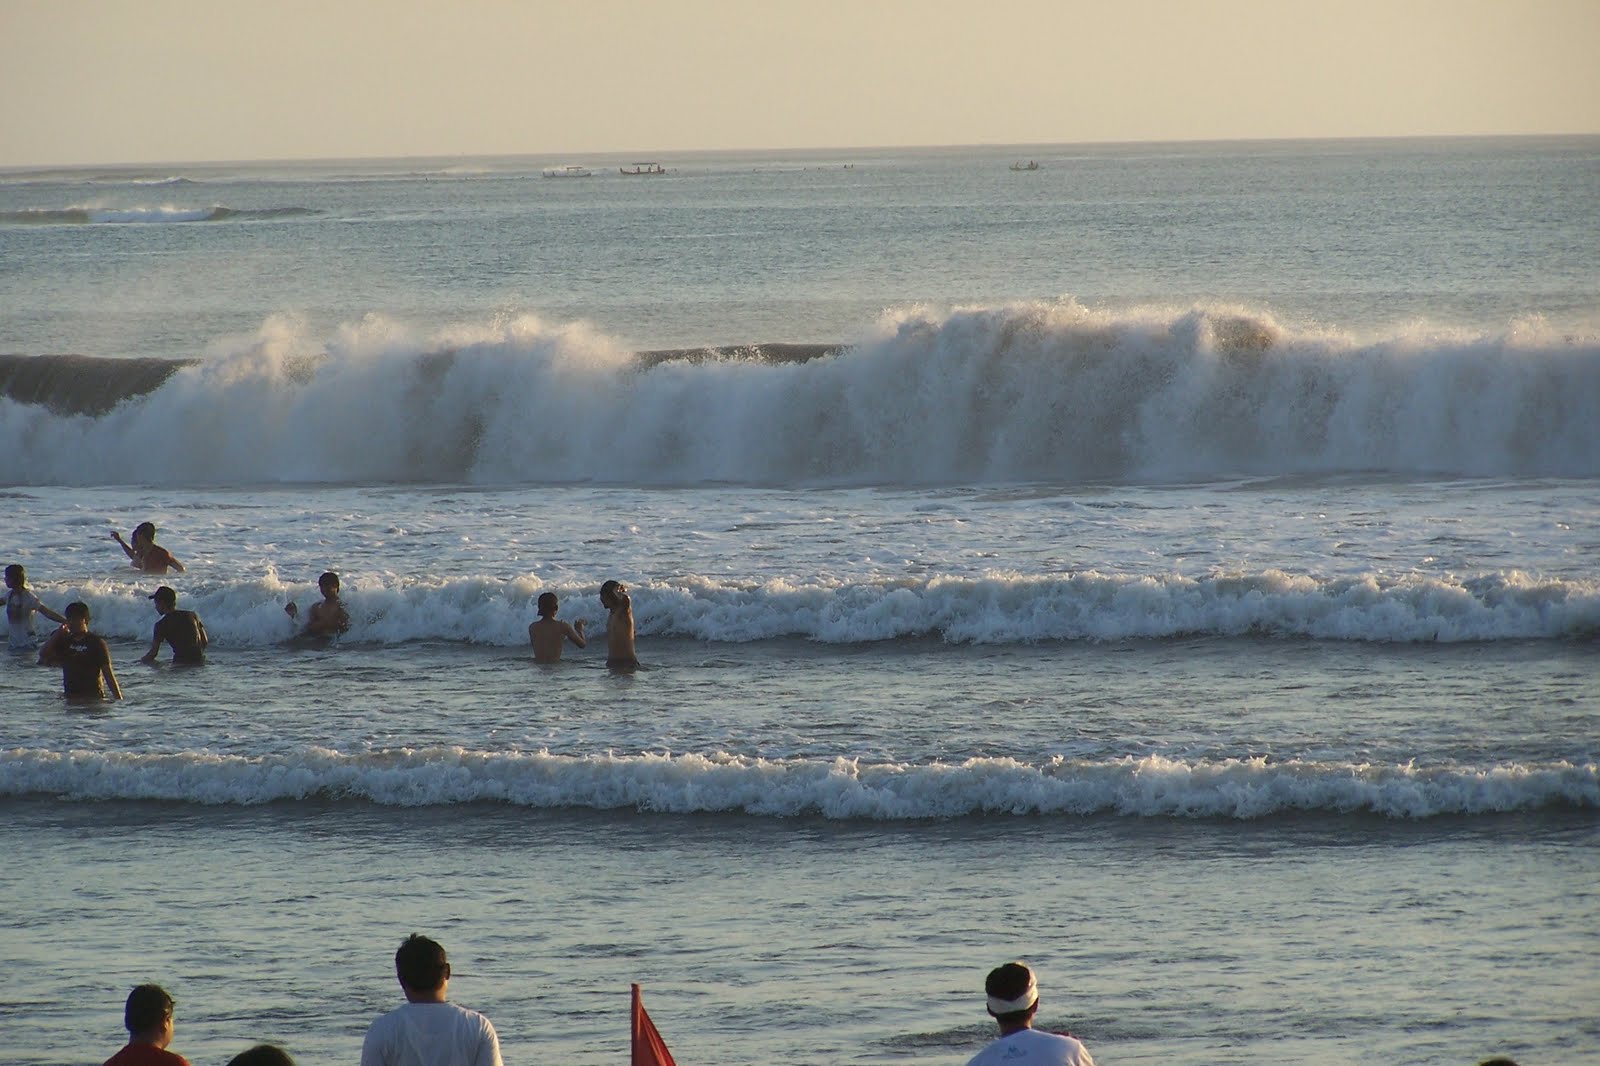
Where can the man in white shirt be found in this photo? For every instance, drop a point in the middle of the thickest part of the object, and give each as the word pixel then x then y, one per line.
pixel 428 1031
pixel 1013 1001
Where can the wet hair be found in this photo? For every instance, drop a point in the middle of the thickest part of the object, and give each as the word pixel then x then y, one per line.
pixel 16 577
pixel 148 1006
pixel 609 590
pixel 421 964
pixel 147 528
pixel 1009 982
pixel 547 604
pixel 328 578
pixel 79 609
pixel 262 1055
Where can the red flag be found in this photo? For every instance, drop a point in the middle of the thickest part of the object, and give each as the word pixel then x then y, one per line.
pixel 648 1047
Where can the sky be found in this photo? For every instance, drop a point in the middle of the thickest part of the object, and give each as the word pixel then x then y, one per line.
pixel 106 81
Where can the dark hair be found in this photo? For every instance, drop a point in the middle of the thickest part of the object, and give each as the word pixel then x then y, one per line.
pixel 15 570
pixel 77 609
pixel 1009 982
pixel 421 963
pixel 148 1006
pixel 608 591
pixel 148 528
pixel 262 1055
pixel 326 577
pixel 547 604
pixel 1498 1062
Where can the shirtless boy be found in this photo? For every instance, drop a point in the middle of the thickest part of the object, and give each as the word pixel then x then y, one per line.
pixel 549 635
pixel 145 554
pixel 327 618
pixel 620 654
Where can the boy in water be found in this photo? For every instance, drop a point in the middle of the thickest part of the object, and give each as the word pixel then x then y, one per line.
pixel 21 604
pixel 548 636
pixel 181 629
pixel 147 556
pixel 620 654
pixel 83 657
pixel 325 619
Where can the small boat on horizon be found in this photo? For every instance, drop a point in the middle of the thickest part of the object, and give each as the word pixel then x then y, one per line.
pixel 642 170
pixel 1031 164
pixel 568 172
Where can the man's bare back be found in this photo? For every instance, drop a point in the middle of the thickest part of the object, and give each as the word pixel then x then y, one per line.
pixel 549 635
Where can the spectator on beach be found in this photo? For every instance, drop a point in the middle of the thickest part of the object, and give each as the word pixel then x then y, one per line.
pixel 620 654
pixel 262 1055
pixel 147 556
pixel 1013 1001
pixel 428 1030
pixel 183 630
pixel 549 635
pixel 21 604
pixel 83 657
pixel 148 1018
pixel 327 618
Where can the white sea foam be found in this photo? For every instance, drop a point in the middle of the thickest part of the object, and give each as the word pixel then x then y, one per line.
pixel 1150 787
pixel 1046 392
pixel 997 608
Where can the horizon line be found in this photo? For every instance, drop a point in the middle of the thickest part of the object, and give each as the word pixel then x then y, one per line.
pixel 674 152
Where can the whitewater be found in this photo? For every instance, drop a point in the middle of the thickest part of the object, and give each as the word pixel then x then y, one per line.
pixel 1178 567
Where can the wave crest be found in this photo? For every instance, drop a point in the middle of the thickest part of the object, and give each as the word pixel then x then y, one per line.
pixel 1036 392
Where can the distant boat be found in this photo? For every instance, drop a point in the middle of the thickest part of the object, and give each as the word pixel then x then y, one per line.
pixel 1031 164
pixel 568 172
pixel 642 169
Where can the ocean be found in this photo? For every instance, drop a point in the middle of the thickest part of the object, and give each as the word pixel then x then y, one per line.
pixel 1176 566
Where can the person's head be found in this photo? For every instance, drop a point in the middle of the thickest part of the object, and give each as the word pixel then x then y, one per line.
pixel 421 965
pixel 148 1015
pixel 144 531
pixel 166 598
pixel 77 616
pixel 328 583
pixel 262 1055
pixel 548 604
pixel 1013 994
pixel 610 593
pixel 16 577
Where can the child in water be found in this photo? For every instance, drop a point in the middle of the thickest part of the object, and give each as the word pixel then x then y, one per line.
pixel 21 604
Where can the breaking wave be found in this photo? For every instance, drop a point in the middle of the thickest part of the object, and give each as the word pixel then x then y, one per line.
pixel 93 215
pixel 999 608
pixel 1033 392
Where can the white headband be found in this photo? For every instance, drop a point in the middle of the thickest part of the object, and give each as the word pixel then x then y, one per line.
pixel 1028 998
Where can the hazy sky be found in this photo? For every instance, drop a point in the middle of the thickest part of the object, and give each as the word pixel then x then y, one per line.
pixel 188 80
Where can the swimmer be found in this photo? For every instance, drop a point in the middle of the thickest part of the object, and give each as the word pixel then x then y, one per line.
pixel 549 635
pixel 83 657
pixel 147 556
pixel 327 618
pixel 181 629
pixel 620 654
pixel 21 604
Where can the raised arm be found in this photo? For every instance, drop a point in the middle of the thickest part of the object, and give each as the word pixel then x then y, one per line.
pixel 575 633
pixel 126 547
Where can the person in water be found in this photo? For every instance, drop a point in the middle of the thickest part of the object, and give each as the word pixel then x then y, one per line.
pixel 183 630
pixel 1013 1001
pixel 83 657
pixel 147 556
pixel 21 604
pixel 620 654
pixel 148 1018
pixel 549 635
pixel 327 618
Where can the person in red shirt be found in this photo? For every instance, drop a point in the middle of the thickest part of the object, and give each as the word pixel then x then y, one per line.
pixel 148 1018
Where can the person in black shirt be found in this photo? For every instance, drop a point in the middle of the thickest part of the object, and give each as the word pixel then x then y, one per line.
pixel 181 629
pixel 83 657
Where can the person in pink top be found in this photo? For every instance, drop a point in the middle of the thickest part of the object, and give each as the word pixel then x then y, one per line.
pixel 148 1018
pixel 1013 1001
